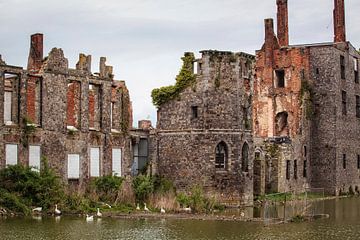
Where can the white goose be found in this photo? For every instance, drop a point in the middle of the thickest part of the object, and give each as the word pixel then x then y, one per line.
pixel 89 218
pixel 162 210
pixel 57 211
pixel 145 208
pixel 98 214
pixel 187 209
pixel 137 207
pixel 38 209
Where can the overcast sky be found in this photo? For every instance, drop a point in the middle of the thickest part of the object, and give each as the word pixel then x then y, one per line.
pixel 145 39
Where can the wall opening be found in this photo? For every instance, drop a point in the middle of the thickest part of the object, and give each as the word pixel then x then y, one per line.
pixel 257 175
pixel 221 156
pixel 116 108
pixel 11 98
pixel 279 78
pixel 357 106
pixel 305 169
pixel 245 158
pixel 281 124
pixel 140 155
pixel 343 102
pixel 94 107
pixel 288 169
pixel 342 67
pixel 344 161
pixel 34 100
pixel 356 72
pixel 295 169
pixel 194 112
pixel 73 113
pixel 358 161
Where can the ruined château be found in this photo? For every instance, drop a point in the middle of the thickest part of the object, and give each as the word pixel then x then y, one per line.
pixel 236 124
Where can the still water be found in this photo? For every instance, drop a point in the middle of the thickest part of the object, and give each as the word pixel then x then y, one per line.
pixel 344 223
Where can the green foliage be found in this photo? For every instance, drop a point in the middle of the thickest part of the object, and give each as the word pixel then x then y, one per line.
pixel 143 186
pixel 163 185
pixel 183 199
pixel 107 187
pixel 273 150
pixel 25 187
pixel 185 78
pixel 28 129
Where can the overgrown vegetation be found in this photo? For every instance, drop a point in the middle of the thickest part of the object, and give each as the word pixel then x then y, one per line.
pixel 185 78
pixel 28 130
pixel 22 188
pixel 107 188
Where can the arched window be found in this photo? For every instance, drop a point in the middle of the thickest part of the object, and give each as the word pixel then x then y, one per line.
pixel 221 155
pixel 245 158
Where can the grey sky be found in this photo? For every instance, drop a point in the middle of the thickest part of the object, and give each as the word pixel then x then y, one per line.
pixel 144 39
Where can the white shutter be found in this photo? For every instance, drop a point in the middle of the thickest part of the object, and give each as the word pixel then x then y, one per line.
pixel 11 154
pixel 73 166
pixel 116 162
pixel 94 162
pixel 7 107
pixel 34 158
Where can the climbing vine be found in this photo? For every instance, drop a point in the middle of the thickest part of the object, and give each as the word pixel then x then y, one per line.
pixel 185 78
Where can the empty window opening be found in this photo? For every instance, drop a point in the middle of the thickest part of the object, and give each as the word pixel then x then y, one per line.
pixel 11 99
pixel 281 124
pixel 245 158
pixel 11 154
pixel 358 161
pixel 357 106
pixel 305 151
pixel 344 161
pixel 295 169
pixel 140 155
pixel 73 166
pixel 116 162
pixel 73 104
pixel 288 169
pixel 342 67
pixel 117 109
pixel 34 99
pixel 194 112
pixel 94 162
pixel 305 169
pixel 317 71
pixel 94 107
pixel 221 153
pixel 34 158
pixel 356 72
pixel 280 78
pixel 343 102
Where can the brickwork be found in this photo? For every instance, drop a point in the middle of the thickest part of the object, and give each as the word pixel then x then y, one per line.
pixel 56 96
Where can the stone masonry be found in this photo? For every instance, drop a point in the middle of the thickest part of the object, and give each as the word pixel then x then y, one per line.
pixel 75 118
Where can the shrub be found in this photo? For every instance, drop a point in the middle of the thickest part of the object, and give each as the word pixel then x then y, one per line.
pixel 143 186
pixel 163 185
pixel 108 187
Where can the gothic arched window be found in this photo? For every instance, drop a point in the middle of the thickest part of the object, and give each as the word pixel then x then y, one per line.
pixel 221 156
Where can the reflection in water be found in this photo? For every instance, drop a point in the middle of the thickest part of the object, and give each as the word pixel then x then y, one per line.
pixel 344 223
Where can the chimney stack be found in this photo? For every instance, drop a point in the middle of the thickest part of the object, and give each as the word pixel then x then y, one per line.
pixel 282 22
pixel 36 53
pixel 339 21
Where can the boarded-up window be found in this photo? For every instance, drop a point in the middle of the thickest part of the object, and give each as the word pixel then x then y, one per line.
pixel 7 107
pixel 34 157
pixel 116 161
pixel 11 154
pixel 73 166
pixel 94 162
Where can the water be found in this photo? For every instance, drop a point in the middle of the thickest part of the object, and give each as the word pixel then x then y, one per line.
pixel 344 223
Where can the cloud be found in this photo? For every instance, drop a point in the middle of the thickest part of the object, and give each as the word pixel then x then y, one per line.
pixel 145 39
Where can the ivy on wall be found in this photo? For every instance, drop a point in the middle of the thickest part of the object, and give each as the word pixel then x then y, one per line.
pixel 185 78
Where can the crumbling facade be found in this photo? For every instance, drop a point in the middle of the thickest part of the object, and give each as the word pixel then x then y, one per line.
pixel 203 136
pixel 306 111
pixel 78 120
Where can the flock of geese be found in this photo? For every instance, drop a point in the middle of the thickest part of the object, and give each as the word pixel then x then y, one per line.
pixel 90 218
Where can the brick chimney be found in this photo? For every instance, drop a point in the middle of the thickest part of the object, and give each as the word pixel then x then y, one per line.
pixel 36 53
pixel 282 22
pixel 339 21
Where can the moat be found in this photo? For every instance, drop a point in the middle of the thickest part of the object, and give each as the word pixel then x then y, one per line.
pixel 344 223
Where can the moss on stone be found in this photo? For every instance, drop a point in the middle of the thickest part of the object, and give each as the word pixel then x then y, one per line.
pixel 185 78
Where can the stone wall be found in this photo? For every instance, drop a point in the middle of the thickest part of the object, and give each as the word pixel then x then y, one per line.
pixel 217 109
pixel 71 112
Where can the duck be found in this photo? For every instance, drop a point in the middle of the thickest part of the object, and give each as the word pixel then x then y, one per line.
pixel 187 209
pixel 57 211
pixel 137 207
pixel 37 209
pixel 162 210
pixel 89 218
pixel 98 214
pixel 145 208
